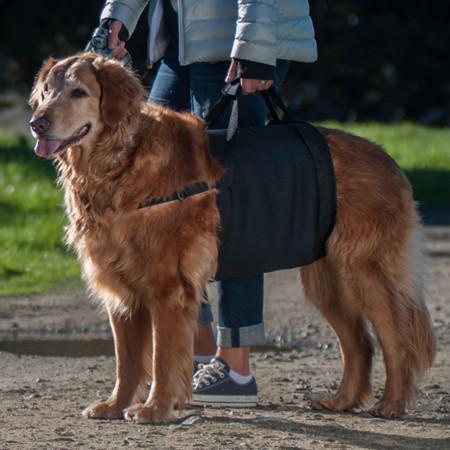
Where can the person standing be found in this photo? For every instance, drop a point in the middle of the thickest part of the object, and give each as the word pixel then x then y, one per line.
pixel 199 46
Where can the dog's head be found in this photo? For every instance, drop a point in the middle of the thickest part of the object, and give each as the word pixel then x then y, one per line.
pixel 77 98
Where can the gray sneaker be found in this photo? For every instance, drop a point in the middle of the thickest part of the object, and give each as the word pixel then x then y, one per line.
pixel 213 386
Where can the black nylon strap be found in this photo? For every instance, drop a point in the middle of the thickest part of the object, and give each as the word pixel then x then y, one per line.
pixel 229 93
pixel 273 99
pixel 271 107
pixel 193 189
pixel 311 134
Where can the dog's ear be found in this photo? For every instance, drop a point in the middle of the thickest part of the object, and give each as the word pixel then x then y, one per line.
pixel 122 92
pixel 39 80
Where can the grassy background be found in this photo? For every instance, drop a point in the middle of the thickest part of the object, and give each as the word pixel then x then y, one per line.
pixel 422 152
pixel 32 255
pixel 33 258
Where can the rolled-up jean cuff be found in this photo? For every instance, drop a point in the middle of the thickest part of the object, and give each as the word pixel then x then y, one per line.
pixel 240 337
pixel 205 315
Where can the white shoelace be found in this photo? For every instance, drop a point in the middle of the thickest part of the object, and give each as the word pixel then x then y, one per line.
pixel 209 373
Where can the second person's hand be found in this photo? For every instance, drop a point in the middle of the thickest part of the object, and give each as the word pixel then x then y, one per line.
pixel 114 43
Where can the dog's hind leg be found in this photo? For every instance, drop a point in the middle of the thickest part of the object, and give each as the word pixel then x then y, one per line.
pixel 389 284
pixel 132 339
pixel 323 290
pixel 376 246
pixel 393 321
pixel 396 308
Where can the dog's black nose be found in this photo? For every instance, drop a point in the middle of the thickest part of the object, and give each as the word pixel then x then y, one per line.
pixel 40 125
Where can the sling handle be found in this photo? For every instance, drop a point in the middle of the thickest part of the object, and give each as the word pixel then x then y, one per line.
pixel 232 91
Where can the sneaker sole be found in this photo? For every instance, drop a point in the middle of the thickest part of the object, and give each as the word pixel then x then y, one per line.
pixel 242 401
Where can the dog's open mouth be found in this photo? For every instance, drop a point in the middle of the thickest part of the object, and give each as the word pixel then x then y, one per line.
pixel 46 148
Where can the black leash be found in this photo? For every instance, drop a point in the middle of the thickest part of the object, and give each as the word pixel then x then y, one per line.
pixel 193 189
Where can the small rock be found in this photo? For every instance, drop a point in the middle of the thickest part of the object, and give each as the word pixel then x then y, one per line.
pixel 444 404
pixel 31 396
pixel 191 420
pixel 281 380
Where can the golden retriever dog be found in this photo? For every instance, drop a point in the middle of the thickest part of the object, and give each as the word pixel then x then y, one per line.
pixel 149 266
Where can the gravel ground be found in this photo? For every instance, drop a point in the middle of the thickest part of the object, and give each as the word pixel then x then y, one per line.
pixel 41 397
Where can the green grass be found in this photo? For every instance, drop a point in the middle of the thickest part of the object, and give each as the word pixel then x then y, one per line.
pixel 422 152
pixel 33 258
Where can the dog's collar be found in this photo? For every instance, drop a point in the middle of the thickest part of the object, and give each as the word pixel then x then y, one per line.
pixel 193 189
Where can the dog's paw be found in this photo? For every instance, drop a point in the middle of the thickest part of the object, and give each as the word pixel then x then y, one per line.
pixel 104 410
pixel 388 409
pixel 329 403
pixel 148 414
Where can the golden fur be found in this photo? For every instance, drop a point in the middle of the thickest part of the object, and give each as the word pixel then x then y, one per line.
pixel 149 266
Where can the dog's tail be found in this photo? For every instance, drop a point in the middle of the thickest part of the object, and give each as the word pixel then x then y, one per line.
pixel 421 341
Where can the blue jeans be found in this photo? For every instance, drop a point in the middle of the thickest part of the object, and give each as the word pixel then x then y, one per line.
pixel 196 88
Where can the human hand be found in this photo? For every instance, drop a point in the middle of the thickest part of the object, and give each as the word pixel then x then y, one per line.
pixel 248 85
pixel 114 43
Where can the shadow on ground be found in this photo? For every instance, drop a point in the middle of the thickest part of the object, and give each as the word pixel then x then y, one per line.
pixel 343 435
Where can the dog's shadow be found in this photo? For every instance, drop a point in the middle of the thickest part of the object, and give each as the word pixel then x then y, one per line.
pixel 339 434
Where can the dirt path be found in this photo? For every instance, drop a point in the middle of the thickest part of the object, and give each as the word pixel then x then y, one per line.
pixel 41 397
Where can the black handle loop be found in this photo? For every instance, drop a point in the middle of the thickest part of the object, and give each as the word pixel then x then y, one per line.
pixel 273 100
pixel 232 91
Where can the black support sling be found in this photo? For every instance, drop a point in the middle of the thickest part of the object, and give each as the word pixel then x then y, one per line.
pixel 277 199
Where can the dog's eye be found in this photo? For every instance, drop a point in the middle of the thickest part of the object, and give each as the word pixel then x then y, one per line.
pixel 78 93
pixel 44 91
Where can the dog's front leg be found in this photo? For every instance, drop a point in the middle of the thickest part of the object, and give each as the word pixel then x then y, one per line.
pixel 132 339
pixel 174 321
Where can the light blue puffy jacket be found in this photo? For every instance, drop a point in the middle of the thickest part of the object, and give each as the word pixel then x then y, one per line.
pixel 215 30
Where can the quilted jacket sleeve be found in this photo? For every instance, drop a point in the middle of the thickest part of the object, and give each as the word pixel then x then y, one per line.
pixel 256 31
pixel 127 11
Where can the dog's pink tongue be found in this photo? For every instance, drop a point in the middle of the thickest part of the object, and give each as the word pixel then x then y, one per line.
pixel 45 148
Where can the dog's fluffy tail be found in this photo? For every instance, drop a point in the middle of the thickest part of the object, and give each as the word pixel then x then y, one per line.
pixel 421 341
